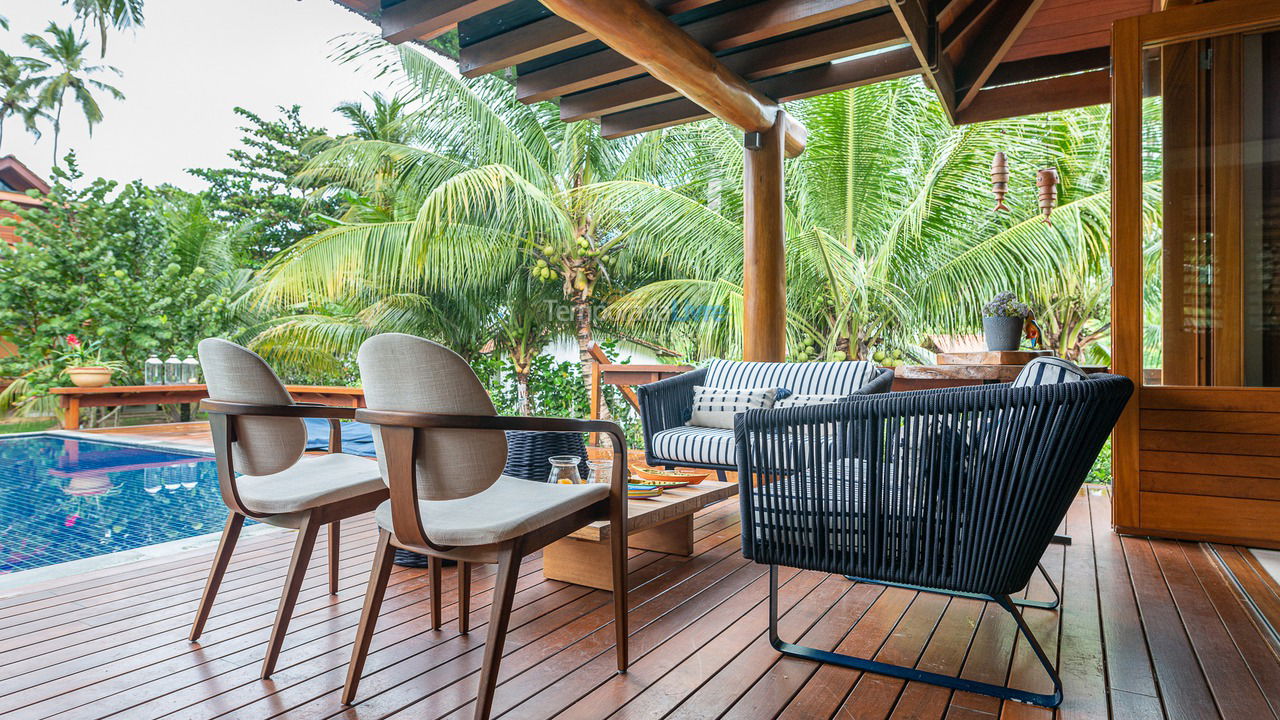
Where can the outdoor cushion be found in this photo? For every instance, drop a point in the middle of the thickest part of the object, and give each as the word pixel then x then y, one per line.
pixel 311 482
pixel 1049 371
pixel 506 509
pixel 807 400
pixel 715 407
pixel 264 445
pixel 809 378
pixel 701 445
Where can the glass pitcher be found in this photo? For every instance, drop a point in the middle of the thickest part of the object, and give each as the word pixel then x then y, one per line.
pixel 564 470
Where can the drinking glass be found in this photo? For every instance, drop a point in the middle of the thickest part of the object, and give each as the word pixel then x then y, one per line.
pixel 564 470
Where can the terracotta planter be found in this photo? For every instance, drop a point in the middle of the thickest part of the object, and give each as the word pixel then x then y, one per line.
pixel 87 377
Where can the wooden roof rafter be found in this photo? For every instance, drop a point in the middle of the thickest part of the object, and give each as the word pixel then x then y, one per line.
pixel 984 58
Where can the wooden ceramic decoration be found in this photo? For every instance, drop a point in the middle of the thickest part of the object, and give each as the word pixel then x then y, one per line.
pixel 1047 188
pixel 1000 179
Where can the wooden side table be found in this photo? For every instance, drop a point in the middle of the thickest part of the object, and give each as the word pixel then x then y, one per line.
pixel 663 524
pixel 73 398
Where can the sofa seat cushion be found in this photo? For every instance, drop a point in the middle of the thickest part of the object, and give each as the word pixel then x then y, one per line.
pixel 701 445
pixel 311 482
pixel 507 509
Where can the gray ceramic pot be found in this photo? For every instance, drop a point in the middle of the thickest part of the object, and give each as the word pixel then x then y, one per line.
pixel 1003 333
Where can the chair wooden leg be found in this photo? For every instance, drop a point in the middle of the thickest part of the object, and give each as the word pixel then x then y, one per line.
pixel 504 590
pixel 378 576
pixel 230 533
pixel 464 597
pixel 618 563
pixel 437 605
pixel 335 530
pixel 302 548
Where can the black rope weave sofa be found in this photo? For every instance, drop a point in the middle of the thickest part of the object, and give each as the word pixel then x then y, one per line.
pixel 956 491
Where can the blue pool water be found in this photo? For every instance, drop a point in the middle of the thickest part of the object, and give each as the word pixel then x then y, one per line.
pixel 66 499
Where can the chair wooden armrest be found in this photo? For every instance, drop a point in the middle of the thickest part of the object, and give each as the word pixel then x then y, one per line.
pixel 297 410
pixel 397 437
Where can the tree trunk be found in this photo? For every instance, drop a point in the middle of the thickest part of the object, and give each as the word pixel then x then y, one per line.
pixel 582 330
pixel 57 130
pixel 3 117
pixel 522 391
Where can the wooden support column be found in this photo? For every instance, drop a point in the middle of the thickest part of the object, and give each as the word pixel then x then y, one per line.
pixel 764 281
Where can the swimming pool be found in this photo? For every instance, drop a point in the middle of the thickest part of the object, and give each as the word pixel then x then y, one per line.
pixel 64 498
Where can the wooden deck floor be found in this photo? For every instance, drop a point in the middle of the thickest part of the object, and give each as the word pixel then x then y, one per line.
pixel 1149 629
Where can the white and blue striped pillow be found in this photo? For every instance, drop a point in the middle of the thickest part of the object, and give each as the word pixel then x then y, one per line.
pixel 715 407
pixel 1049 371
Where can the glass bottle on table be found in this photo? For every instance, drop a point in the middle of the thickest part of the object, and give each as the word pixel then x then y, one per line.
pixel 564 470
pixel 191 371
pixel 153 371
pixel 173 371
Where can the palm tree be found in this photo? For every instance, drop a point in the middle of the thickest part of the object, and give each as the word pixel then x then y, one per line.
pixel 890 227
pixel 18 97
pixel 106 14
pixel 64 52
pixel 487 190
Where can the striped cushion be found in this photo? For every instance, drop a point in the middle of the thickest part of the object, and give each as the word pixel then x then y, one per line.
pixel 702 445
pixel 810 378
pixel 1049 371
pixel 715 407
pixel 807 400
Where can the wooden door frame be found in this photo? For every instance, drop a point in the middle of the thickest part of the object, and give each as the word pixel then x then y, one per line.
pixel 1130 37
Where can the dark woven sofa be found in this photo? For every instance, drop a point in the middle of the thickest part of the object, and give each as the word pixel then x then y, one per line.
pixel 667 405
pixel 956 491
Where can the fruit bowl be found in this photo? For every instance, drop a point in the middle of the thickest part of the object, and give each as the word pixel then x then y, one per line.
pixel 686 476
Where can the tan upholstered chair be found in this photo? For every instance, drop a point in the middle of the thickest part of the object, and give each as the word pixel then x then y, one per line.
pixel 259 434
pixel 442 450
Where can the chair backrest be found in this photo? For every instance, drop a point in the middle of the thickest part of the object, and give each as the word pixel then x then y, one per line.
pixel 959 489
pixel 410 374
pixel 810 378
pixel 236 374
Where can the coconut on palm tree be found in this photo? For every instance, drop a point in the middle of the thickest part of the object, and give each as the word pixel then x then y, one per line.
pixel 62 50
pixel 19 80
pixel 486 190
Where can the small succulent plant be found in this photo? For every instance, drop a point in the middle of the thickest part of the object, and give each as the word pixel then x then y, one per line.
pixel 1006 304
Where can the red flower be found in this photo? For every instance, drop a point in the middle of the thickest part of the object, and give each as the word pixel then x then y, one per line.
pixel 71 520
pixel 73 341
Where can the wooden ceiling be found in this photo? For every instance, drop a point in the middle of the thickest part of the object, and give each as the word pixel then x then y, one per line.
pixel 987 59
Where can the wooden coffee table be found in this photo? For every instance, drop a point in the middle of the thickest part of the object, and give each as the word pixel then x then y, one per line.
pixel 664 524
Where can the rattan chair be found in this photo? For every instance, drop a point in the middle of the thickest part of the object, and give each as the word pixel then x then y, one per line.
pixel 258 439
pixel 442 451
pixel 955 491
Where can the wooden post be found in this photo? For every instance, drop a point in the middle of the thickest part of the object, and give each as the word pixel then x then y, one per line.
pixel 764 281
pixel 70 412
pixel 595 400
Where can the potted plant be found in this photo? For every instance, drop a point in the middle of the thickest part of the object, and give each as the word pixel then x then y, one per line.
pixel 84 364
pixel 1002 322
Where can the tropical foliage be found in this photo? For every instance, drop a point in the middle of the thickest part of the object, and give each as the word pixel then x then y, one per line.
pixel 69 73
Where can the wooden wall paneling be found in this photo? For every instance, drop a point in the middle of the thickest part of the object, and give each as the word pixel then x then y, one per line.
pixel 1238 520
pixel 1215 485
pixel 1126 260
pixel 1221 422
pixel 1236 399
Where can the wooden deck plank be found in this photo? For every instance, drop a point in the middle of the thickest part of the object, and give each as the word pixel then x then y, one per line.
pixel 1144 625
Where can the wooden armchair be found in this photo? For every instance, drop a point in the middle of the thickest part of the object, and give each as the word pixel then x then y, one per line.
pixel 442 451
pixel 258 432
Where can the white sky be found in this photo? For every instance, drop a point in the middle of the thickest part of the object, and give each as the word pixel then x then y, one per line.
pixel 183 72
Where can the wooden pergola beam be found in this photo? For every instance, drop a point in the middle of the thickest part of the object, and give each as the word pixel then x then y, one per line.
pixel 1005 23
pixel 425 19
pixel 1059 93
pixel 921 29
pixel 729 30
pixel 647 37
pixel 541 38
pixel 786 88
pixel 776 58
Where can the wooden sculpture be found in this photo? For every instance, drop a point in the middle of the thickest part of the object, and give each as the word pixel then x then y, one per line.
pixel 1000 179
pixel 1047 187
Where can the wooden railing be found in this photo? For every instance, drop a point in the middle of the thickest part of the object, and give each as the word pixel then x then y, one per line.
pixel 623 376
